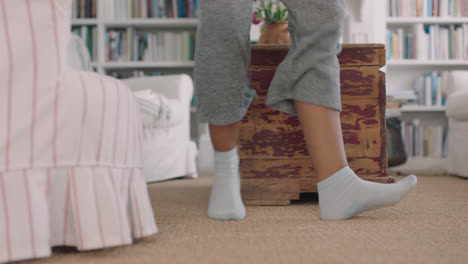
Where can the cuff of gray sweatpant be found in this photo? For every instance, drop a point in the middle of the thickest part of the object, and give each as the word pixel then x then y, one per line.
pixel 326 99
pixel 286 103
pixel 218 117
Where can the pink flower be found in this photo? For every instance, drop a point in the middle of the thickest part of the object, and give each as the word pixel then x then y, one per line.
pixel 255 20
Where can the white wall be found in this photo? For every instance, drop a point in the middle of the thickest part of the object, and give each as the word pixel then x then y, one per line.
pixel 365 21
pixel 255 32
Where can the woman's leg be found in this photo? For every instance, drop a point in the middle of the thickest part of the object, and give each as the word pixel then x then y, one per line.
pixel 223 94
pixel 342 194
pixel 310 74
pixel 307 84
pixel 322 132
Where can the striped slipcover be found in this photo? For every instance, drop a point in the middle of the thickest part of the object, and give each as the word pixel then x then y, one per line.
pixel 70 143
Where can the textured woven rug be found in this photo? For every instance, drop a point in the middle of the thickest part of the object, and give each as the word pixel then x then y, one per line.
pixel 429 226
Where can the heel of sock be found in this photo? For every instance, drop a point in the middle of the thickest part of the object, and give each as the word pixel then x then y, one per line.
pixel 339 176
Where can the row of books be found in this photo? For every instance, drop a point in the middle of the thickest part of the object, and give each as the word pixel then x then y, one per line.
pixel 89 35
pixel 429 42
pixel 84 8
pixel 428 8
pixel 428 141
pixel 136 45
pixel 401 44
pixel 126 9
pixel 133 74
pixel 431 89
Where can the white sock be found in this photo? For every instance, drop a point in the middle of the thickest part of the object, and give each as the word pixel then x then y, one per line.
pixel 226 200
pixel 344 195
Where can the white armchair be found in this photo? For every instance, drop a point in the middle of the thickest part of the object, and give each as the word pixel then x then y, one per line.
pixel 168 151
pixel 457 112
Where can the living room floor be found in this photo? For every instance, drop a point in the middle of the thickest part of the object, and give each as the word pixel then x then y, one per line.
pixel 429 226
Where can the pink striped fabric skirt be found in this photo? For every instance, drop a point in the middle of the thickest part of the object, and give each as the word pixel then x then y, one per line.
pixel 70 143
pixel 81 184
pixel 84 207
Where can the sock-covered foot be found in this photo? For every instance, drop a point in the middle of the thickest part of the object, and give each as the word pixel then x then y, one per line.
pixel 226 200
pixel 344 195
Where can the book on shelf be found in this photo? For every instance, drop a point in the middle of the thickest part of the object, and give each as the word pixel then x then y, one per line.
pixel 193 102
pixel 424 141
pixel 84 9
pixel 428 42
pixel 428 8
pixel 133 74
pixel 127 9
pixel 401 96
pixel 89 36
pixel 145 46
pixel 431 89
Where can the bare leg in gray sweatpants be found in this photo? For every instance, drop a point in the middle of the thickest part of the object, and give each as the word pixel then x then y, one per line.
pixel 306 83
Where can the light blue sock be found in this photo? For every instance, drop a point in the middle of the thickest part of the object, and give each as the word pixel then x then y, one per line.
pixel 344 195
pixel 226 200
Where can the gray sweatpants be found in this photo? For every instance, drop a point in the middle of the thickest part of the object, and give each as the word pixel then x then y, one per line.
pixel 309 73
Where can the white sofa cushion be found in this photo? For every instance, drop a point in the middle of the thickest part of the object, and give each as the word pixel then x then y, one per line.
pixel 457 82
pixel 457 106
pixel 458 148
pixel 158 111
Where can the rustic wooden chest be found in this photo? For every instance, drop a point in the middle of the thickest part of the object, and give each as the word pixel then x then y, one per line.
pixel 275 166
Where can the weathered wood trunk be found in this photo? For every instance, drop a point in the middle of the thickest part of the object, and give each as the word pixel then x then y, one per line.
pixel 275 165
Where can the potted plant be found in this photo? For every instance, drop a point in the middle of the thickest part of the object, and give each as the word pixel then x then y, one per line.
pixel 274 15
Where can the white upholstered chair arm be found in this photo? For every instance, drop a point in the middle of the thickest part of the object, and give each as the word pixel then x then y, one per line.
pixel 178 86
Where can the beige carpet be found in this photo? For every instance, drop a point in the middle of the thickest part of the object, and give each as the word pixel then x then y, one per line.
pixel 429 226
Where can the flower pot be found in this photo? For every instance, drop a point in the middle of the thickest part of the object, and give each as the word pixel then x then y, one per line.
pixel 275 34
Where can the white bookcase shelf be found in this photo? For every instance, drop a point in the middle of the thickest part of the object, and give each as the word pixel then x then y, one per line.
pixel 428 63
pixel 84 22
pixel 171 23
pixel 401 74
pixel 368 22
pixel 425 20
pixel 419 108
pixel 418 63
pixel 425 166
pixel 102 24
pixel 147 65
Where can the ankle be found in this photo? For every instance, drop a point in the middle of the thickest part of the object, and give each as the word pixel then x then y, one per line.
pixel 231 154
pixel 325 173
pixel 343 175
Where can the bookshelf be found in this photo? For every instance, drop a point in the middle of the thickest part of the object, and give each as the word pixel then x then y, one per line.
pixel 84 22
pixel 419 108
pixel 106 18
pixel 426 20
pixel 148 65
pixel 407 63
pixel 170 23
pixel 421 23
